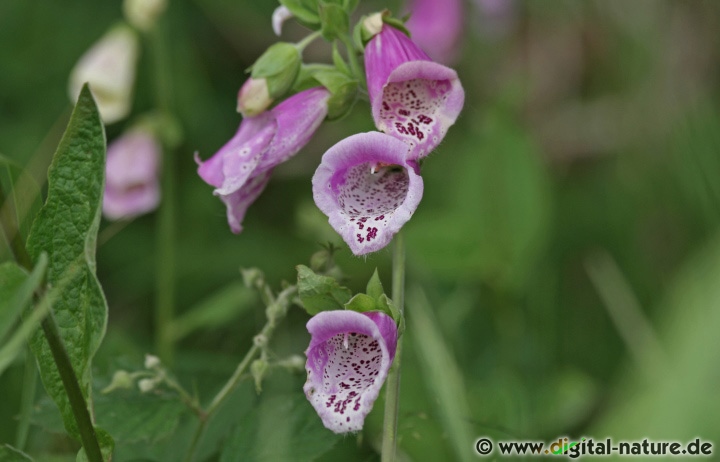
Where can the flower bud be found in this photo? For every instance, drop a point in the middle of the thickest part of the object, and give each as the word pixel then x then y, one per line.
pixel 147 385
pixel 258 368
pixel 272 76
pixel 143 14
pixel 121 379
pixel 109 67
pixel 279 16
pixel 151 362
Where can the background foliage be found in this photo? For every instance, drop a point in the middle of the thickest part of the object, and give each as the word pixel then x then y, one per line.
pixel 567 245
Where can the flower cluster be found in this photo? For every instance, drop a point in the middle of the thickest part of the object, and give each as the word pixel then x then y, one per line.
pixel 369 185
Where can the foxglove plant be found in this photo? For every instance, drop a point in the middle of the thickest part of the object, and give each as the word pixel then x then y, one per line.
pixel 240 170
pixel 348 359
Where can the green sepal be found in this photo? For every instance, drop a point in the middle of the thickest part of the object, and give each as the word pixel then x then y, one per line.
pixel 361 303
pixel 398 24
pixel 343 91
pixel 320 293
pixel 374 286
pixel 387 306
pixel 334 20
pixel 279 66
pixel 305 11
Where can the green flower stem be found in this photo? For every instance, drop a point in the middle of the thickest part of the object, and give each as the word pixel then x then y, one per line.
pixel 166 223
pixel 307 41
pixel 392 388
pixel 231 384
pixel 355 67
pixel 57 348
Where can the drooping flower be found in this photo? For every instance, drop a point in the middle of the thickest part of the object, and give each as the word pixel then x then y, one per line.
pixel 436 26
pixel 241 169
pixel 131 175
pixel 109 67
pixel 368 188
pixel 412 97
pixel 348 359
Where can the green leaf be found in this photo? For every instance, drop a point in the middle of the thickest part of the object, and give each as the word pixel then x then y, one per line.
pixel 22 194
pixel 442 374
pixel 374 286
pixel 282 427
pixel 339 62
pixel 361 303
pixel 304 11
pixel 16 290
pixel 320 293
pixel 66 228
pixel 215 311
pixel 10 454
pixel 334 20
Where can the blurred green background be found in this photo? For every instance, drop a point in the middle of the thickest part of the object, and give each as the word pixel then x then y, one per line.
pixel 563 266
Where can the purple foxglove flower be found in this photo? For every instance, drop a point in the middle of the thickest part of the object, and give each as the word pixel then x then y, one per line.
pixel 131 175
pixel 109 67
pixel 348 359
pixel 436 26
pixel 241 169
pixel 412 97
pixel 368 188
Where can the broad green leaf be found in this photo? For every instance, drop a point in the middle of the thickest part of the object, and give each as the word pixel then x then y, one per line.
pixel 442 374
pixel 66 228
pixel 374 286
pixel 16 290
pixel 282 427
pixel 320 293
pixel 215 311
pixel 10 454
pixel 22 194
pixel 361 303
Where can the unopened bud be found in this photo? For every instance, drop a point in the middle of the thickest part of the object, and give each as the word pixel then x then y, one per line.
pixel 151 362
pixel 121 379
pixel 258 368
pixel 253 97
pixel 260 340
pixel 147 385
pixel 294 363
pixel 373 24
pixel 252 277
pixel 272 76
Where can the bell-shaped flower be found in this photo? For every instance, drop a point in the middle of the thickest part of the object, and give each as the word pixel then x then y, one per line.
pixel 348 359
pixel 368 188
pixel 109 67
pixel 131 175
pixel 436 26
pixel 241 169
pixel 412 98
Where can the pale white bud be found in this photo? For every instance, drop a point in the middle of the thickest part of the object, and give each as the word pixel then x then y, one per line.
pixel 109 67
pixel 143 13
pixel 146 385
pixel 151 361
pixel 373 24
pixel 279 16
